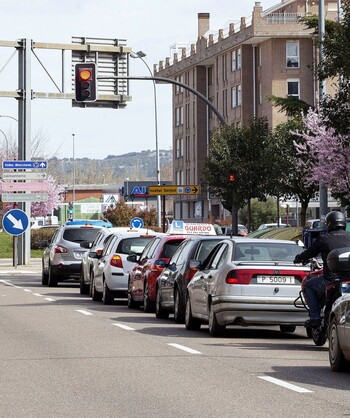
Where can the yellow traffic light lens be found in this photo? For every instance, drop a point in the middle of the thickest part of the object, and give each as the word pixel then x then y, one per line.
pixel 85 75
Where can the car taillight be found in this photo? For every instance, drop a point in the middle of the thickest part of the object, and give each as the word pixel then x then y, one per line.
pixel 60 250
pixel 99 251
pixel 116 261
pixel 239 276
pixel 190 272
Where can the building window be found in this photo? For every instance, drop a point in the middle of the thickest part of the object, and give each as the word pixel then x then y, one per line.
pixel 236 59
pixel 217 70
pixel 179 148
pixel 293 88
pixel 179 116
pixel 224 102
pixel 260 93
pixel 292 54
pixel 239 95
pixel 210 76
pixel 224 67
pixel 233 97
pixel 178 89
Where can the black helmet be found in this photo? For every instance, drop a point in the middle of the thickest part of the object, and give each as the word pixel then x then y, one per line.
pixel 335 220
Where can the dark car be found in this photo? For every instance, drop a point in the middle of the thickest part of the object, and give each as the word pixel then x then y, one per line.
pixel 172 282
pixel 339 332
pixel 143 277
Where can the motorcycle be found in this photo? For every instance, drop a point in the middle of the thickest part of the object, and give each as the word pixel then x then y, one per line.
pixel 338 261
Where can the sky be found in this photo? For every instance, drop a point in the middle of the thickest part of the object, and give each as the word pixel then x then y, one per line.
pixel 150 26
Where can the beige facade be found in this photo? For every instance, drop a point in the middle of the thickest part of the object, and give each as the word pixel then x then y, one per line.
pixel 270 52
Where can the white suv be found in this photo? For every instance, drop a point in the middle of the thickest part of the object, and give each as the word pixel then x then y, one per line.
pixel 109 278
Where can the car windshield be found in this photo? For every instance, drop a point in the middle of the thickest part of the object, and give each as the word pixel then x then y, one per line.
pixel 266 251
pixel 133 245
pixel 80 234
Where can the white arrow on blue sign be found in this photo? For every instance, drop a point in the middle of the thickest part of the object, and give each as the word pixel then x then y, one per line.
pixel 136 223
pixel 15 222
pixel 23 165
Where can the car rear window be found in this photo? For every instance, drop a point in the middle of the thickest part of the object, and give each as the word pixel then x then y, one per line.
pixel 266 252
pixel 80 234
pixel 134 245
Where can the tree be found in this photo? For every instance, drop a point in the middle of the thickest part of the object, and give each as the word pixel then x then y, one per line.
pixel 325 155
pixel 294 174
pixel 246 153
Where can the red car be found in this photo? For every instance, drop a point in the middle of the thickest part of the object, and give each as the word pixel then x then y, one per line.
pixel 143 277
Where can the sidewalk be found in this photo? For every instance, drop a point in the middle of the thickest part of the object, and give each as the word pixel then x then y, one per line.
pixel 7 264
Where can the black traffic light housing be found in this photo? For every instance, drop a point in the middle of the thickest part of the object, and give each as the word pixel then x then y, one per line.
pixel 85 82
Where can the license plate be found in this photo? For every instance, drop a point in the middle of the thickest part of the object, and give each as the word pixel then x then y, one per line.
pixel 276 279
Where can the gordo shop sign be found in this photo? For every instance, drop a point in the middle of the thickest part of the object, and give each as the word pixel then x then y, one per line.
pixel 180 227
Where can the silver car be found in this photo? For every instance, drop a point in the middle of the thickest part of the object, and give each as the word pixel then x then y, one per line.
pixel 62 256
pixel 247 281
pixel 109 278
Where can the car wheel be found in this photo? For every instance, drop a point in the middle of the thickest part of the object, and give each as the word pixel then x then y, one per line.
pixel 161 313
pixel 44 276
pixel 131 303
pixel 179 308
pixel 84 288
pixel 95 295
pixel 108 296
pixel 52 279
pixel 148 305
pixel 191 323
pixel 215 329
pixel 336 356
pixel 288 328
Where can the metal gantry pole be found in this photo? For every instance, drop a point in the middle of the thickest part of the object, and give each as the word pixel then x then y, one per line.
pixel 322 90
pixel 24 134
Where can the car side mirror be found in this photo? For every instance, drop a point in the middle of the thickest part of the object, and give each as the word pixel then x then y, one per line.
pixel 160 263
pixel 195 265
pixel 94 254
pixel 132 258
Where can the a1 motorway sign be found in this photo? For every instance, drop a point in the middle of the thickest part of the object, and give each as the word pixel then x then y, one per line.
pixel 23 165
pixel 15 222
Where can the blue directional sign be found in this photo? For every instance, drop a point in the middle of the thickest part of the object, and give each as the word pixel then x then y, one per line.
pixel 136 223
pixel 23 165
pixel 15 222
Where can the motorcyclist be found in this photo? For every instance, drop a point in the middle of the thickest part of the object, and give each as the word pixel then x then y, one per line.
pixel 335 237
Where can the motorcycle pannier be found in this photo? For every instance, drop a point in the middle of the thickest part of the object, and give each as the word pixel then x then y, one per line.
pixel 338 260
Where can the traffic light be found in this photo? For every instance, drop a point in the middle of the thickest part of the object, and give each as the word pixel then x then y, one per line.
pixel 231 178
pixel 85 82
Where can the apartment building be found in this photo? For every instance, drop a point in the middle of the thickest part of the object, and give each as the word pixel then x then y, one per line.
pixel 270 52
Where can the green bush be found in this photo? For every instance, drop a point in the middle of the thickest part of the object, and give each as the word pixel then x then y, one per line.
pixel 41 234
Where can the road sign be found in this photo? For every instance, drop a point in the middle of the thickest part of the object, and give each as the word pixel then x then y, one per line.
pixel 23 175
pixel 33 186
pixel 15 222
pixel 173 190
pixel 24 197
pixel 23 165
pixel 136 223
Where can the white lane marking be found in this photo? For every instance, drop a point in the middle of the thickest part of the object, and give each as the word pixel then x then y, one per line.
pixel 84 312
pixel 50 299
pixel 37 294
pixel 10 284
pixel 124 327
pixel 285 384
pixel 182 347
pixel 27 290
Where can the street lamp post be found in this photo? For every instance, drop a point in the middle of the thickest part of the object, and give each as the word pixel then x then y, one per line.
pixel 141 55
pixel 73 191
